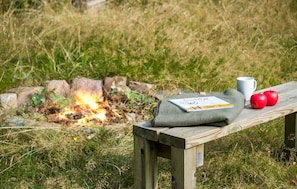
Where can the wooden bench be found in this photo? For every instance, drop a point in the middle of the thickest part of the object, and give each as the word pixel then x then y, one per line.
pixel 184 146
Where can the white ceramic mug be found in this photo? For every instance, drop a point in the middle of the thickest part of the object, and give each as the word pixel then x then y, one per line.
pixel 247 86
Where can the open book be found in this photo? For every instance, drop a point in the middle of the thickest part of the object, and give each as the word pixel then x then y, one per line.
pixel 201 103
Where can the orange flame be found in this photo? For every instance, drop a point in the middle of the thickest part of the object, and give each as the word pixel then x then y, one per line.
pixel 90 107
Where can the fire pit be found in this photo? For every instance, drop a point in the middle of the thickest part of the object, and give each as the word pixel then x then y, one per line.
pixel 85 108
pixel 85 102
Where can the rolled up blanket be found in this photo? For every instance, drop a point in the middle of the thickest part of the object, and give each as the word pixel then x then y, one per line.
pixel 167 114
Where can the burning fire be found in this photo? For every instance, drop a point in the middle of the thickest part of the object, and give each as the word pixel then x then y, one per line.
pixel 87 107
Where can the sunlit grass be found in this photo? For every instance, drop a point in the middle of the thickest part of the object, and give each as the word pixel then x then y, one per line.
pixel 198 46
pixel 199 43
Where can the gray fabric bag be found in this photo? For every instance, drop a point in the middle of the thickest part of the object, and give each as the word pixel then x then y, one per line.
pixel 167 114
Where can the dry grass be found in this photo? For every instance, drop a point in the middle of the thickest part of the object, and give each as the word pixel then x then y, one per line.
pixel 199 46
pixel 202 39
pixel 245 38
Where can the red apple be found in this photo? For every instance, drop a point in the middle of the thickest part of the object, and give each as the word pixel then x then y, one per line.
pixel 258 101
pixel 272 97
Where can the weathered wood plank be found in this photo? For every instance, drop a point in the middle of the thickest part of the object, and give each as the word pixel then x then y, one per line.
pixel 281 88
pixel 291 131
pixel 184 162
pixel 164 151
pixel 145 164
pixel 139 175
pixel 145 130
pixel 179 136
pixel 200 155
pixel 187 137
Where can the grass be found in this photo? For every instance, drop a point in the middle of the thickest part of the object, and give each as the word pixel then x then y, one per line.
pixel 197 46
pixel 47 158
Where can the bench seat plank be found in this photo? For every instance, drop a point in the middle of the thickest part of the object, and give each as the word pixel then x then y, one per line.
pixel 187 137
pixel 281 88
pixel 146 131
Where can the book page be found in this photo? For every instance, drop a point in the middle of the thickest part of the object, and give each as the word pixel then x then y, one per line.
pixel 201 103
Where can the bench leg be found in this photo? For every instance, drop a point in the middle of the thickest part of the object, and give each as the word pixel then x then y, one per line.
pixel 291 131
pixel 184 163
pixel 145 164
pixel 289 151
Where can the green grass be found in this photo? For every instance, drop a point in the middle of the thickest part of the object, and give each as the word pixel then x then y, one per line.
pixel 197 46
pixel 49 158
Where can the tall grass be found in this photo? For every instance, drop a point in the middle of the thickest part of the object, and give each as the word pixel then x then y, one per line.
pixel 196 45
pixel 208 42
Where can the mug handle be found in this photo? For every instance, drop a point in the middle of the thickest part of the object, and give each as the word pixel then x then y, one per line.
pixel 255 85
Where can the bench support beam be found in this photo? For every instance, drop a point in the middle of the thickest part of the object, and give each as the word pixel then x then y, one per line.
pixel 184 163
pixel 145 164
pixel 291 132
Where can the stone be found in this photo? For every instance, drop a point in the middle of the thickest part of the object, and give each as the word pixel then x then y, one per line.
pixel 15 122
pixel 144 88
pixel 115 85
pixel 24 93
pixel 131 117
pixel 89 86
pixel 9 100
pixel 59 87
